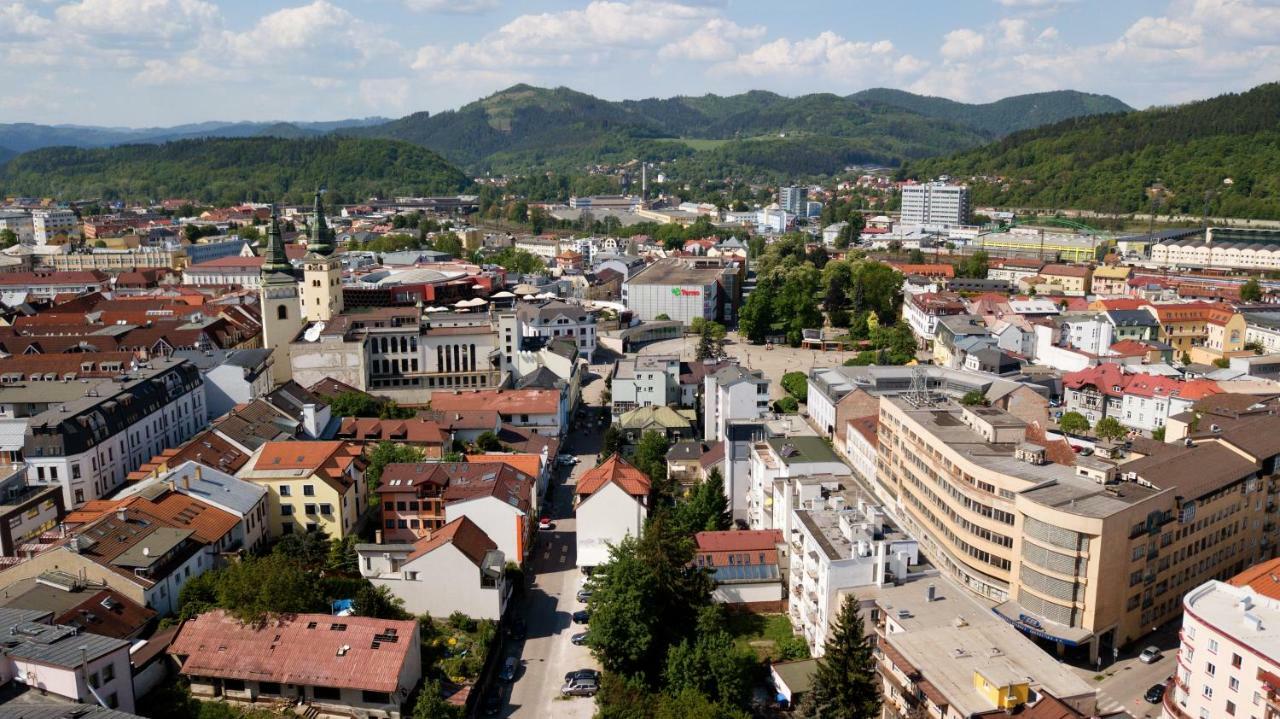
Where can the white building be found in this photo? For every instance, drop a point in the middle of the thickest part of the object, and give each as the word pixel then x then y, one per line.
pixel 935 203
pixel 732 393
pixel 47 224
pixel 502 509
pixel 645 380
pixel 775 460
pixel 231 377
pixel 89 445
pixel 611 503
pixel 794 199
pixel 1229 658
pixel 65 661
pixel 551 320
pixel 233 495
pixel 831 233
pixel 835 547
pixel 459 550
pixel 20 224
pixel 861 446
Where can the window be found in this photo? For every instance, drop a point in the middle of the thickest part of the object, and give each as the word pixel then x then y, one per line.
pixel 308 490
pixel 235 685
pixel 1207 691
pixel 1213 646
pixel 311 508
pixel 326 509
pixel 286 510
pixel 282 312
pixel 375 697
pixel 389 506
pixel 390 524
pixel 1235 661
pixel 332 693
pixel 286 528
pixel 411 576
pixel 269 688
pixel 285 491
pixel 1210 669
pixel 1233 684
pixel 93 680
pixel 108 673
pixel 1231 708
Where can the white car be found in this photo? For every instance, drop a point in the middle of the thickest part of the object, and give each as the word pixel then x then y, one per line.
pixel 566 459
pixel 1150 655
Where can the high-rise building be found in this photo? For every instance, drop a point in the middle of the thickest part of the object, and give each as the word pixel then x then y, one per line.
pixel 935 203
pixel 47 224
pixel 794 199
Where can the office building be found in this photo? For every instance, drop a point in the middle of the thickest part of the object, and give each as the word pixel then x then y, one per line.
pixel 935 203
pixel 794 200
pixel 682 288
pixel 19 223
pixel 50 224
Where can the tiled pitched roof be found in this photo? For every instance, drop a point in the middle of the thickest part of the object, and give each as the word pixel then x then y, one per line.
pixel 1263 578
pixel 738 540
pixel 410 431
pixel 503 401
pixel 530 464
pixel 305 649
pixel 492 480
pixel 617 470
pixel 466 536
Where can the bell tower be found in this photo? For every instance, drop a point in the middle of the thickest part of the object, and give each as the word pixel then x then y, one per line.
pixel 321 272
pixel 282 318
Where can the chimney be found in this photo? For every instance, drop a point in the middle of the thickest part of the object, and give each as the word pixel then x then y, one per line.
pixel 377 536
pixel 120 514
pixel 931 593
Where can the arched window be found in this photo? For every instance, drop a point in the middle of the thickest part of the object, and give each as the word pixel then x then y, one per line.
pixel 282 312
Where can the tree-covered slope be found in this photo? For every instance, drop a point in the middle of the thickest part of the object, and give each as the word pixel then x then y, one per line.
pixel 25 136
pixel 233 170
pixel 1108 163
pixel 999 118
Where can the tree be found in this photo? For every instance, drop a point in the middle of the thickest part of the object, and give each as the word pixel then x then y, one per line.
pixel 8 238
pixel 974 265
pixel 711 337
pixel 342 555
pixel 797 385
pixel 449 243
pixel 387 453
pixel 431 704
pixel 973 398
pixel 310 549
pixel 1109 428
pixel 100 244
pixel 755 319
pixel 255 587
pixel 488 442
pixel 845 685
pixel 837 276
pixel 379 602
pixel 1158 434
pixel 1073 423
pixel 915 257
pixel 612 441
pixel 1251 291
pixel 651 458
pixel 711 665
pixel 662 317
pixel 705 509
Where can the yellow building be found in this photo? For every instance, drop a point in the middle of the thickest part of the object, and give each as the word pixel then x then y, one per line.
pixel 1204 330
pixel 1072 280
pixel 1112 279
pixel 311 485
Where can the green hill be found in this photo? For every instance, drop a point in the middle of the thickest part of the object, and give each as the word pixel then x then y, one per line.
pixel 999 118
pixel 1107 163
pixel 233 170
pixel 25 136
pixel 526 127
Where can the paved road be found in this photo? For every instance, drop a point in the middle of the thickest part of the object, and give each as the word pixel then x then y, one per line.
pixel 1128 679
pixel 547 654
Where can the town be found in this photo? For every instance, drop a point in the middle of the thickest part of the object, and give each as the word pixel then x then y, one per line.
pixel 639 360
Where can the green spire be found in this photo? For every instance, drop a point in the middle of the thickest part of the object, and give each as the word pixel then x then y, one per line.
pixel 321 241
pixel 276 259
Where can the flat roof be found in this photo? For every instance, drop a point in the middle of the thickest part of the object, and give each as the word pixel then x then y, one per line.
pixel 675 271
pixel 1219 604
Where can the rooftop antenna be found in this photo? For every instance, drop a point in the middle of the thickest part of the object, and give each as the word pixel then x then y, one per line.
pixel 918 394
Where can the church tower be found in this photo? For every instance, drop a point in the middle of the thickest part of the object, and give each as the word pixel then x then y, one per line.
pixel 282 318
pixel 321 272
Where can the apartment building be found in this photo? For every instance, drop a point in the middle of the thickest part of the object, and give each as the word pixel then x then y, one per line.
pixel 1112 279
pixel 644 380
pixel 48 224
pixel 922 312
pixel 311 485
pixel 1229 656
pixel 776 460
pixel 537 323
pixel 1141 401
pixel 1204 330
pixel 62 660
pixel 1047 541
pixel 837 546
pixel 89 444
pixel 729 394
pixel 19 223
pixel 935 203
pixel 1069 280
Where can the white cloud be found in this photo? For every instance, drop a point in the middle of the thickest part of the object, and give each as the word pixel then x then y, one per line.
pixel 454 7
pixel 962 43
pixel 18 19
pixel 1242 19
pixel 1013 31
pixel 826 54
pixel 1049 34
pixel 137 19
pixel 719 39
pixel 1163 33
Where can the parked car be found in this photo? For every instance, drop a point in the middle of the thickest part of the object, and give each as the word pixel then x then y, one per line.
pixel 582 616
pixel 509 667
pixel 580 638
pixel 517 630
pixel 1150 655
pixel 584 595
pixel 1155 694
pixel 566 459
pixel 586 688
pixel 581 675
pixel 492 704
pixel 544 522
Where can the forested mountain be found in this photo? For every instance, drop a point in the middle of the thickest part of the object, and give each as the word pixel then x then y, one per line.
pixel 23 137
pixel 1111 163
pixel 229 170
pixel 999 118
pixel 5 154
pixel 527 127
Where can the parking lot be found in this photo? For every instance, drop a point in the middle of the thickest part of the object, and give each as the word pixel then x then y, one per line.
pixel 547 653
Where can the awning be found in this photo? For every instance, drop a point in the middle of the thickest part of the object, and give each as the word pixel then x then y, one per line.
pixel 1037 626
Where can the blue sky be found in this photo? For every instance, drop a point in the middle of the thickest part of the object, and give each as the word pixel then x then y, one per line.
pixel 161 62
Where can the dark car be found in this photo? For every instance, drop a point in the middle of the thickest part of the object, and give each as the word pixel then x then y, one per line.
pixel 582 616
pixel 509 669
pixel 492 704
pixel 580 638
pixel 582 675
pixel 1155 694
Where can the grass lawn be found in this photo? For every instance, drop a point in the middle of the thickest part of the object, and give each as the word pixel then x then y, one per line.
pixel 694 143
pixel 768 635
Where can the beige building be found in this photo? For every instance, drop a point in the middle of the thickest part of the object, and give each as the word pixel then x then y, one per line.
pixel 120 260
pixel 311 485
pixel 1112 279
pixel 1088 556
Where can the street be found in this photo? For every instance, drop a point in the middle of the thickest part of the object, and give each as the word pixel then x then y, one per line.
pixel 1128 679
pixel 547 653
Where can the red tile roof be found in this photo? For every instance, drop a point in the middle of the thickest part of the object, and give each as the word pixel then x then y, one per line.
pixel 466 536
pixel 927 270
pixel 617 470
pixel 738 540
pixel 409 431
pixel 503 401
pixel 530 464
pixel 304 649
pixel 1066 271
pixel 868 427
pixel 1123 303
pixel 1263 578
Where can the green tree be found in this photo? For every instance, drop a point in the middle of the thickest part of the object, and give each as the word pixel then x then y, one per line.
pixel 1110 428
pixel 837 277
pixel 755 319
pixel 974 265
pixel 342 556
pixel 355 404
pixel 845 685
pixel 449 242
pixel 253 588
pixel 431 704
pixel 787 405
pixel 100 244
pixel 973 398
pixel 488 442
pixel 798 302
pixel 310 549
pixel 387 453
pixel 711 665
pixel 711 336
pixel 705 508
pixel 8 238
pixel 1158 434
pixel 650 457
pixel 915 257
pixel 611 444
pixel 1251 291
pixel 1073 423
pixel 797 385
pixel 379 602
pixel 518 261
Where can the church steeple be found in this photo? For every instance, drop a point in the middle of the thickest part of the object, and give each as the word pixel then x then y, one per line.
pixel 276 259
pixel 321 240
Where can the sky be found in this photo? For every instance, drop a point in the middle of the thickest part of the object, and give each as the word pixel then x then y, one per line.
pixel 143 63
